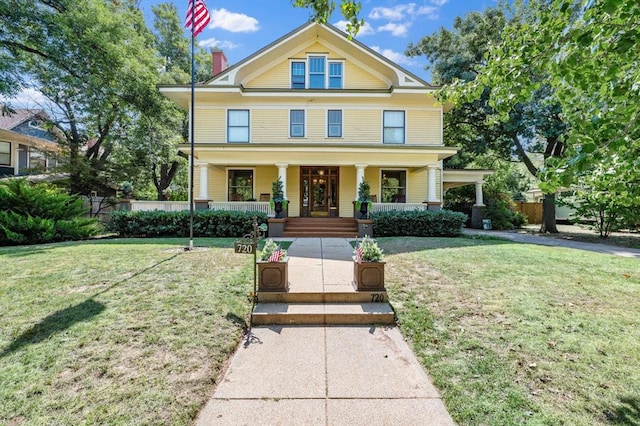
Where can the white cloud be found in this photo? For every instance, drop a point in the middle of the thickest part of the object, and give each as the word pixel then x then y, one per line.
pixel 365 30
pixel 396 30
pixel 403 11
pixel 27 98
pixel 234 22
pixel 396 57
pixel 220 44
pixel 439 2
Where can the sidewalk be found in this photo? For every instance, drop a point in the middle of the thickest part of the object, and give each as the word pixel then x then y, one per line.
pixel 316 375
pixel 555 242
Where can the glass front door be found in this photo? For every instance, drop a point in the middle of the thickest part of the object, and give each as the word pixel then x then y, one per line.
pixel 319 191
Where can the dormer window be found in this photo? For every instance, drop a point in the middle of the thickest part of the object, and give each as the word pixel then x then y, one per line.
pixel 317 72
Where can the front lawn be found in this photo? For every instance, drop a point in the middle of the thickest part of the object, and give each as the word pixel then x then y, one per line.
pixel 521 334
pixel 117 331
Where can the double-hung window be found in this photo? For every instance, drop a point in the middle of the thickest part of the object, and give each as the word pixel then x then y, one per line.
pixel 238 125
pixel 317 72
pixel 5 154
pixel 240 185
pixel 334 123
pixel 393 127
pixel 335 75
pixel 298 74
pixel 394 186
pixel 296 123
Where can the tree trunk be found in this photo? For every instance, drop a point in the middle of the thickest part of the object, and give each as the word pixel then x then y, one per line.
pixel 549 214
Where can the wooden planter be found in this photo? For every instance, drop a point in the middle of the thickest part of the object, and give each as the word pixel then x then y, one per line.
pixel 273 276
pixel 368 276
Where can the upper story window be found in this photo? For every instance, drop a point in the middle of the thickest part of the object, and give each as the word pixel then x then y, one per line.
pixel 393 127
pixel 298 75
pixel 335 75
pixel 334 123
pixel 5 153
pixel 238 125
pixel 296 123
pixel 317 72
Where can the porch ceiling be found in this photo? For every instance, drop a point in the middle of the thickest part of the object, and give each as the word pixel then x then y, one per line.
pixel 455 178
pixel 326 154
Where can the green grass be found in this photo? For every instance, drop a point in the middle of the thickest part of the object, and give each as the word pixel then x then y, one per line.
pixel 117 331
pixel 521 334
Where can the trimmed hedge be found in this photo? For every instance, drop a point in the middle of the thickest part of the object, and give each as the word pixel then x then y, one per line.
pixel 206 223
pixel 418 223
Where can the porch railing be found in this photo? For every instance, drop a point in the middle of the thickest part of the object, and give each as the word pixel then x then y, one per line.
pixel 387 207
pixel 173 206
pixel 242 206
pixel 167 206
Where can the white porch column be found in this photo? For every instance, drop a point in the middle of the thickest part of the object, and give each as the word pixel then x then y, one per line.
pixel 432 179
pixel 359 177
pixel 282 174
pixel 203 193
pixel 479 200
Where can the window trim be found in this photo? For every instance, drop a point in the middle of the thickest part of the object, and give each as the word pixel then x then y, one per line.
pixel 404 127
pixel 341 124
pixel 253 182
pixel 341 62
pixel 304 124
pixel 406 178
pixel 248 126
pixel 325 70
pixel 304 75
pixel 9 153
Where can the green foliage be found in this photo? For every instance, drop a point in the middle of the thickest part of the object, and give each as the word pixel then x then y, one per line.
pixel 364 192
pixel 323 9
pixel 277 190
pixel 418 223
pixel 502 215
pixel 41 213
pixel 207 223
pixel 371 251
pixel 267 250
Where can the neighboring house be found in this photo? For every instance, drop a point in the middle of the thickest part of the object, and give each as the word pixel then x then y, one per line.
pixel 25 143
pixel 324 113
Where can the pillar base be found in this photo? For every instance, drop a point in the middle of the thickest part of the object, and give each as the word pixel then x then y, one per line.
pixel 276 226
pixel 365 227
pixel 477 214
pixel 201 204
pixel 433 205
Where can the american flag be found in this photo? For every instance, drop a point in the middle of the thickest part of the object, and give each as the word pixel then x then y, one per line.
pixel 277 255
pixel 359 253
pixel 198 16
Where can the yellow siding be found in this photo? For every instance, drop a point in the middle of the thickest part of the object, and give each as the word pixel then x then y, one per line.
pixel 269 125
pixel 263 177
pixel 217 184
pixel 423 126
pixel 315 124
pixel 355 77
pixel 362 125
pixel 347 190
pixel 372 175
pixel 293 190
pixel 210 125
pixel 417 183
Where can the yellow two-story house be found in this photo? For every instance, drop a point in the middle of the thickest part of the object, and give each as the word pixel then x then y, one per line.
pixel 323 113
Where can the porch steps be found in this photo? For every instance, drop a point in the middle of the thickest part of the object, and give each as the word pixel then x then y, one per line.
pixel 323 308
pixel 329 227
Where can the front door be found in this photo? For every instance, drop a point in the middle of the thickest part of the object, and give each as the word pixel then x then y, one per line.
pixel 319 191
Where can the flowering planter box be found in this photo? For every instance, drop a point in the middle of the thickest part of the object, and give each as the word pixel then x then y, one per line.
pixel 368 276
pixel 273 276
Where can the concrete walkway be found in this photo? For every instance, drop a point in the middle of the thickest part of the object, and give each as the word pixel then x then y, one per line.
pixel 527 238
pixel 315 375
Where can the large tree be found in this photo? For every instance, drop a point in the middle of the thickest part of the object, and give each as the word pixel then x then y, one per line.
pixel 531 129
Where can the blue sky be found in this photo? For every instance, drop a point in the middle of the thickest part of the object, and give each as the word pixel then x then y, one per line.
pixel 241 27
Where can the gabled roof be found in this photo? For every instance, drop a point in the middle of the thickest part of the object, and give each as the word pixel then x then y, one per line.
pixel 13 120
pixel 307 34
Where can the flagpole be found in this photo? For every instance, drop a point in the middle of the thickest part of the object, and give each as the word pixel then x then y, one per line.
pixel 191 125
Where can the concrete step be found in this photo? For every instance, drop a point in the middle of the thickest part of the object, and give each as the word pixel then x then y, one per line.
pixel 329 297
pixel 322 313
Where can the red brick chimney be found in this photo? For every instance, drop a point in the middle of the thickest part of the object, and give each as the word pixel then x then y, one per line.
pixel 218 62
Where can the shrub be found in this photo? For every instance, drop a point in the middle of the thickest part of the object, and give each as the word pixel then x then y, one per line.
pixel 206 223
pixel 502 215
pixel 419 223
pixel 41 213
